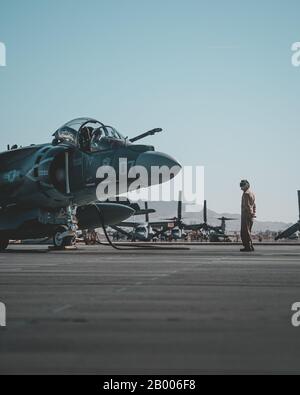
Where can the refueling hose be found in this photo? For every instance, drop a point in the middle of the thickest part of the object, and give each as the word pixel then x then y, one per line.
pixel 128 248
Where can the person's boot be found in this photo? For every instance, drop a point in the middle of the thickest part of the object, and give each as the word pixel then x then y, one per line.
pixel 246 249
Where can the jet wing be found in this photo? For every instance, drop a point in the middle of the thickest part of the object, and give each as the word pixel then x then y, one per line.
pixel 18 154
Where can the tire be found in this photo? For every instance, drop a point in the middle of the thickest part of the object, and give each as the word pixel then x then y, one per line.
pixel 69 241
pixel 3 244
pixel 65 242
pixel 90 238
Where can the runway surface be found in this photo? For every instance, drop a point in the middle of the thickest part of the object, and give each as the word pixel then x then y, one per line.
pixel 100 311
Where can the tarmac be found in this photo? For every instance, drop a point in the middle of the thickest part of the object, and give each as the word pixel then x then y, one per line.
pixel 207 310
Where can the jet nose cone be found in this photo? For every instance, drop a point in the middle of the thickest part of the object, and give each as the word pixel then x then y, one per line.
pixel 158 159
pixel 159 166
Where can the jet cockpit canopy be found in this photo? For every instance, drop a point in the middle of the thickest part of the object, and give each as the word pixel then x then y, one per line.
pixel 89 135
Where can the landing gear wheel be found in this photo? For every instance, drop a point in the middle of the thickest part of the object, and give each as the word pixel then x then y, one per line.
pixel 3 244
pixel 60 242
pixel 90 237
pixel 69 241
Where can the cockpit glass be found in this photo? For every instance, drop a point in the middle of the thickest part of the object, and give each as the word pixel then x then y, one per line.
pixel 106 138
pixel 99 140
pixel 67 135
pixel 140 228
pixel 76 124
pixel 88 134
pixel 70 131
pixel 113 133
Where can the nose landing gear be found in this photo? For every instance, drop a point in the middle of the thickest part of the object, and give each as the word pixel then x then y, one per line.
pixel 3 244
pixel 65 235
pixel 64 238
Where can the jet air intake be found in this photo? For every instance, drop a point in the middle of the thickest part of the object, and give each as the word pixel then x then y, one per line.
pixel 45 178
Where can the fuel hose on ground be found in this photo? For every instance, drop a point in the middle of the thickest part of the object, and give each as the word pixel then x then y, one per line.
pixel 136 247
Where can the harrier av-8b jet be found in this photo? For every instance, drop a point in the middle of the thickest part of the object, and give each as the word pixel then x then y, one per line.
pixel 51 189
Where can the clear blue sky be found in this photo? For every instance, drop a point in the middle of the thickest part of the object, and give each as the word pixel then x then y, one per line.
pixel 216 75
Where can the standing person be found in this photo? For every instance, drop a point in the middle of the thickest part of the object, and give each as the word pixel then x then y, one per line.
pixel 248 215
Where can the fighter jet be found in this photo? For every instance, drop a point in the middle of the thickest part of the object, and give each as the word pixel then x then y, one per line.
pixel 51 189
pixel 293 229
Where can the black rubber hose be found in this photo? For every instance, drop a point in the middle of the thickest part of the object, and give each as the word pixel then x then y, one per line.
pixel 136 247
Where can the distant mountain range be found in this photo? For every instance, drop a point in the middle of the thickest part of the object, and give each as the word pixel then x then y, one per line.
pixel 169 210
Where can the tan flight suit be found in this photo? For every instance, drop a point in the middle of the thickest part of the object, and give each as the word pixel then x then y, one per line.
pixel 248 215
